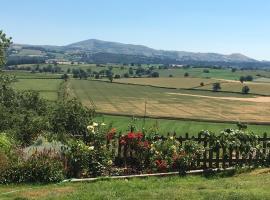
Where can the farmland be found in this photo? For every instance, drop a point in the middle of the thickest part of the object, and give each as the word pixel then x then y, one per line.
pixel 48 88
pixel 162 102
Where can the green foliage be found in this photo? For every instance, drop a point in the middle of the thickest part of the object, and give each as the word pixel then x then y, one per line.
pixel 42 167
pixel 245 89
pixel 216 87
pixel 70 118
pixel 4 44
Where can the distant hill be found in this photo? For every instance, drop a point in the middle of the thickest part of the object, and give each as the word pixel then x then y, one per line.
pixel 93 50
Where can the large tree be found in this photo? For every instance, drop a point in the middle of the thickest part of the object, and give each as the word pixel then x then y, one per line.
pixel 4 44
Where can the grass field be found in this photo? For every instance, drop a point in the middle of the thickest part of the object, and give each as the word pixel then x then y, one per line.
pixel 48 88
pixel 180 127
pixel 131 99
pixel 247 186
pixel 29 75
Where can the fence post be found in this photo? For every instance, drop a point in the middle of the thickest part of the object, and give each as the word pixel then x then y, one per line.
pixel 217 155
pixel 205 153
pixel 230 155
pixel 224 157
pixel 264 143
pixel 199 156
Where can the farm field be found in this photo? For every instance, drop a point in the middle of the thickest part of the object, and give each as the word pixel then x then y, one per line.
pixel 163 126
pixel 131 99
pixel 262 88
pixel 48 88
pixel 252 185
pixel 168 82
pixel 29 75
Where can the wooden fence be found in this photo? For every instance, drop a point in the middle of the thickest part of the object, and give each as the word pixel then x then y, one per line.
pixel 212 156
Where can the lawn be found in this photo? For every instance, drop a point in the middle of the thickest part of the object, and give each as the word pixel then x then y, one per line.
pixel 132 99
pixel 247 186
pixel 164 126
pixel 48 88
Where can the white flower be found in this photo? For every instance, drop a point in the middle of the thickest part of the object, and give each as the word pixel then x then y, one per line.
pixel 90 128
pixel 103 124
pixel 95 124
pixel 171 137
pixel 91 148
pixel 110 162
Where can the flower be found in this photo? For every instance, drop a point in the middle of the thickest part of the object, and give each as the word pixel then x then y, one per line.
pixel 110 162
pixel 95 124
pixel 91 148
pixel 103 124
pixel 90 127
pixel 171 138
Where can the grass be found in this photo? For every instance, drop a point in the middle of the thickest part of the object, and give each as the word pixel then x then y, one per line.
pixel 48 88
pixel 131 99
pixel 29 75
pixel 180 127
pixel 247 186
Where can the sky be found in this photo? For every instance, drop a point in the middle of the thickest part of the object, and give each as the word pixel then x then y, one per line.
pixel 220 26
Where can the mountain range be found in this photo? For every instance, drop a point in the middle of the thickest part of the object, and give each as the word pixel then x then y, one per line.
pixel 93 50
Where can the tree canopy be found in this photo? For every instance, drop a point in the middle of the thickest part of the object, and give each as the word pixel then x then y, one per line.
pixel 4 44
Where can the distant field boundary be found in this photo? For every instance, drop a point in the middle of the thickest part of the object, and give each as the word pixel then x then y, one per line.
pixel 184 119
pixel 187 89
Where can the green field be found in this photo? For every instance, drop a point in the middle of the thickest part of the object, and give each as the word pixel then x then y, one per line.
pixel 29 75
pixel 48 88
pixel 164 126
pixel 247 186
pixel 131 99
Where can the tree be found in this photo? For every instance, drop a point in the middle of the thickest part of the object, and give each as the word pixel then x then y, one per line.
pixel 130 71
pixel 126 75
pixel 155 74
pixel 206 71
pixel 245 89
pixel 249 78
pixel 186 74
pixel 65 77
pixel 234 69
pixel 4 44
pixel 242 79
pixel 202 84
pixel 216 87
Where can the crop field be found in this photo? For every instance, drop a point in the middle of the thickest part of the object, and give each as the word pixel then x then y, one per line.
pixel 131 99
pixel 261 87
pixel 168 82
pixel 48 88
pixel 252 185
pixel 163 126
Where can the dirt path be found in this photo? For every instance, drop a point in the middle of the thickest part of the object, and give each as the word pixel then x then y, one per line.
pixel 254 99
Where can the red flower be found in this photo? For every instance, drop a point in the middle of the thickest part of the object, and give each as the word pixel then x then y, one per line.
pixel 131 135
pixel 139 135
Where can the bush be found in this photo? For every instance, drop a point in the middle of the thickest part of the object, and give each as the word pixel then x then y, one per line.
pixel 42 167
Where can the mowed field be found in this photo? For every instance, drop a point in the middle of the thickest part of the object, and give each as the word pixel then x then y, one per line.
pixel 48 88
pixel 164 126
pixel 260 87
pixel 131 99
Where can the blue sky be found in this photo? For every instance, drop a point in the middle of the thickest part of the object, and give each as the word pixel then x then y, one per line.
pixel 222 26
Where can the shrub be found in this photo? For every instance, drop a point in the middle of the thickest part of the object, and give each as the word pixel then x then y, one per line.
pixel 42 167
pixel 245 89
pixel 216 87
